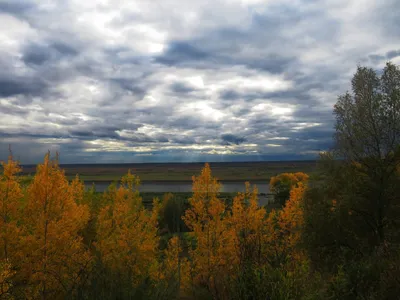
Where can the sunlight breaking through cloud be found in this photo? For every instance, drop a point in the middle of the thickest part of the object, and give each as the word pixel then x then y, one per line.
pixel 159 80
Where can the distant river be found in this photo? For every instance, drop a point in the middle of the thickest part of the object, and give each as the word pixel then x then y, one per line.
pixel 184 187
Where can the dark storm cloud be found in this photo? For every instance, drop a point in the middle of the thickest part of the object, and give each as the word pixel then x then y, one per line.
pixel 35 54
pixel 38 54
pixel 288 96
pixel 131 85
pixel 84 78
pixel 183 140
pixel 13 110
pixel 64 49
pixel 94 130
pixel 16 7
pixel 181 88
pixel 203 54
pixel 260 46
pixel 232 139
pixel 179 52
pixel 17 86
pixel 190 122
pixel 273 63
pixel 31 135
pixel 95 134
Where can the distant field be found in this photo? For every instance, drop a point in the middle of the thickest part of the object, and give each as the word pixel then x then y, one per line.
pixel 168 172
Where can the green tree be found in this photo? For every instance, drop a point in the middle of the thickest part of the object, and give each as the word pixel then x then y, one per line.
pixel 171 211
pixel 368 138
pixel 351 214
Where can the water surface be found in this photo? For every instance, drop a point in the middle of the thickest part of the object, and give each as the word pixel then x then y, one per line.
pixel 185 187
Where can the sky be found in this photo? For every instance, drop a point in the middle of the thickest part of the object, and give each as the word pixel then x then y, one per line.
pixel 180 81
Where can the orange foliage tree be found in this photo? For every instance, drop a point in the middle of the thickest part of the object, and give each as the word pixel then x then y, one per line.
pixel 127 233
pixel 10 200
pixel 6 273
pixel 247 222
pixel 284 228
pixel 291 221
pixel 54 260
pixel 211 258
pixel 247 225
pixel 283 183
pixel 170 275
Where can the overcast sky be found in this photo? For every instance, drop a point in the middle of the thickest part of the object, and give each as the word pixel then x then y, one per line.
pixel 176 80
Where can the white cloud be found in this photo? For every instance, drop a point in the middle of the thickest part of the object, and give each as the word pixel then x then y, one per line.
pixel 151 76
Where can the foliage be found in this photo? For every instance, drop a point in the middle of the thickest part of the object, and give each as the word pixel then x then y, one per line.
pixel 171 211
pixel 351 212
pixel 53 260
pixel 333 236
pixel 6 284
pixel 127 237
pixel 368 138
pixel 283 183
pixel 10 198
pixel 115 240
pixel 211 260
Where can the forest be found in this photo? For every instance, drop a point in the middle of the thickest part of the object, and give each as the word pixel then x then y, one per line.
pixel 333 234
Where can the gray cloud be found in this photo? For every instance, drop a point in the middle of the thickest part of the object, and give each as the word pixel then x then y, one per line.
pixel 180 53
pixel 181 88
pixel 25 86
pixel 392 54
pixel 173 81
pixel 232 139
pixel 16 7
pixel 39 54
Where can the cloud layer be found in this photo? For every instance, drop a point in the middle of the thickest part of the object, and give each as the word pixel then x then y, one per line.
pixel 141 81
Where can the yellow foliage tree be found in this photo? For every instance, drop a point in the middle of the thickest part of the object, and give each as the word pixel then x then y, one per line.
pixel 247 222
pixel 284 229
pixel 6 273
pixel 283 183
pixel 291 220
pixel 170 274
pixel 54 260
pixel 10 200
pixel 169 269
pixel 211 260
pixel 127 233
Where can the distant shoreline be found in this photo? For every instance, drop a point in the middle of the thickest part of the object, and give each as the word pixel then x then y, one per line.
pixel 178 163
pixel 182 172
pixel 255 181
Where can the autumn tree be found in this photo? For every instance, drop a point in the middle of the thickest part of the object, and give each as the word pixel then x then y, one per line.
pixel 212 257
pixel 6 274
pixel 127 237
pixel 247 226
pixel 10 201
pixel 281 185
pixel 170 274
pixel 291 221
pixel 53 261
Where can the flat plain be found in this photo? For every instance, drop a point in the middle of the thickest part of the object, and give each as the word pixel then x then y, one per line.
pixel 182 172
